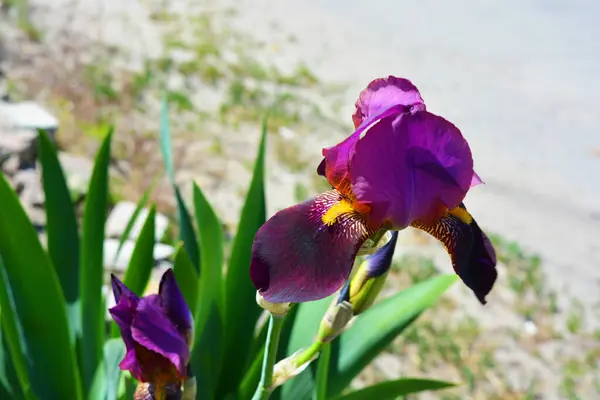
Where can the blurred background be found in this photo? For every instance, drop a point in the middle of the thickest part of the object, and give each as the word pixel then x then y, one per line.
pixel 520 79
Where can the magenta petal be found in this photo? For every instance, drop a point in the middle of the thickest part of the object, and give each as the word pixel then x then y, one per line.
pixel 406 165
pixel 153 330
pixel 335 164
pixel 383 93
pixel 297 258
pixel 476 180
pixel 174 303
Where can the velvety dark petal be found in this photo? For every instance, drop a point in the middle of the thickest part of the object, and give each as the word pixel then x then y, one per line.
pixel 406 165
pixel 473 256
pixel 335 164
pixel 383 93
pixel 154 331
pixel 174 303
pixel 297 257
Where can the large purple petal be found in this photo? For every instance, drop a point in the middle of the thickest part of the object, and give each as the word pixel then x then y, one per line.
pixel 473 256
pixel 296 257
pixel 153 330
pixel 382 93
pixel 335 164
pixel 407 166
pixel 174 303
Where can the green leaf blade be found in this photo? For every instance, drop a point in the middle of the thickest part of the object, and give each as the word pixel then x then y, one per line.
pixel 391 390
pixel 206 355
pixel 61 229
pixel 186 229
pixel 320 392
pixel 142 259
pixel 378 326
pixel 134 216
pixel 39 315
pixel 241 311
pixel 186 276
pixel 92 266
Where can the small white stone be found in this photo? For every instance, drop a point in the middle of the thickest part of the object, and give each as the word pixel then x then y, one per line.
pixel 530 328
pixel 121 261
pixel 120 216
pixel 78 172
pixel 27 114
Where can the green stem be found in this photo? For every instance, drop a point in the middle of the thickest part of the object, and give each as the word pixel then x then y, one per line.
pixel 308 354
pixel 263 390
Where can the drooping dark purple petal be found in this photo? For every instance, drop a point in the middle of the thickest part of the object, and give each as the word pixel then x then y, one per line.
pixel 407 165
pixel 473 256
pixel 296 257
pixel 154 331
pixel 174 303
pixel 383 93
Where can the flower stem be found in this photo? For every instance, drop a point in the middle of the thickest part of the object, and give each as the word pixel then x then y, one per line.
pixel 309 353
pixel 263 391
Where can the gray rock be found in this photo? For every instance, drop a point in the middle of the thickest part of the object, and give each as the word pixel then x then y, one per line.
pixel 28 185
pixel 121 261
pixel 120 216
pixel 28 115
pixel 78 172
pixel 10 166
pixel 19 143
pixel 37 216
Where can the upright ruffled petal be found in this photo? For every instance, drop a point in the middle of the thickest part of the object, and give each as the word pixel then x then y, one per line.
pixel 473 256
pixel 153 330
pixel 306 252
pixel 335 164
pixel 407 165
pixel 382 93
pixel 174 303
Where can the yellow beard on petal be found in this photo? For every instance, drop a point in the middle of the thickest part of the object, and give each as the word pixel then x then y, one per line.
pixel 461 214
pixel 337 210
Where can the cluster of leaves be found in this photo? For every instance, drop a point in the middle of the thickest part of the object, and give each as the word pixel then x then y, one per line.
pixel 56 342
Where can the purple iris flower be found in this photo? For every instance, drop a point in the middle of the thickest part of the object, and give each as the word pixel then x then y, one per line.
pixel 403 166
pixel 157 331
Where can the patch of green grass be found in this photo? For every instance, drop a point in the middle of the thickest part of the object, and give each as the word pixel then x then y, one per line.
pixel 575 317
pixel 23 18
